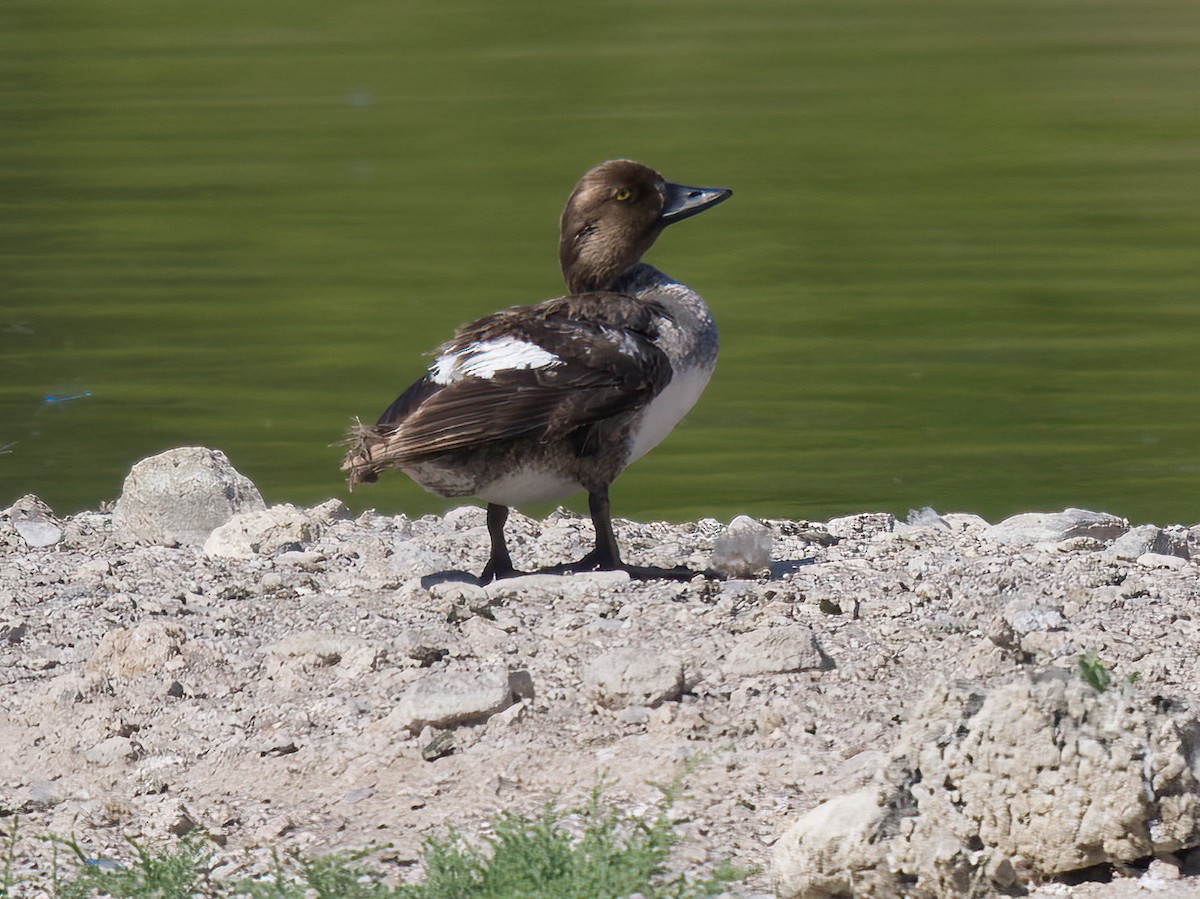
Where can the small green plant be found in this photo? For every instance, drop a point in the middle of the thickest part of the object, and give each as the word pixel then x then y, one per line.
pixel 596 851
pixel 335 876
pixel 8 857
pixel 617 854
pixel 1093 671
pixel 157 874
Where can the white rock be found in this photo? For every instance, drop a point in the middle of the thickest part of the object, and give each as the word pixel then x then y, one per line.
pixel 634 714
pixel 34 521
pixel 1158 560
pixel 1028 617
pixel 744 549
pixel 306 560
pixel 925 517
pixel 311 649
pixel 558 584
pixel 96 567
pixel 180 496
pixel 1046 772
pixel 1042 527
pixel 260 532
pixel 1161 871
pixel 448 699
pixel 424 645
pixel 112 751
pixel 773 650
pixel 330 511
pixel 864 526
pixel 965 521
pixel 292 661
pixel 832 851
pixel 412 558
pixel 641 676
pixel 127 652
pixel 463 517
pixel 1147 538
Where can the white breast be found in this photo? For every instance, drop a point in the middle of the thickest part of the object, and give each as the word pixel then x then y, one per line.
pixel 668 408
pixel 528 484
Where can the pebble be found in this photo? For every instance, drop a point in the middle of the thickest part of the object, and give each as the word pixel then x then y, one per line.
pixel 774 650
pixel 449 699
pixel 1158 560
pixel 112 751
pixel 634 676
pixel 744 549
pixel 34 521
pixel 263 532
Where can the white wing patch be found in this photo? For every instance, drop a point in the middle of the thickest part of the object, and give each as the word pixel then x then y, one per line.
pixel 484 360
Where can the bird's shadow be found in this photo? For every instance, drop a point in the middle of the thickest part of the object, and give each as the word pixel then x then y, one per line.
pixel 784 567
pixel 449 577
pixel 778 571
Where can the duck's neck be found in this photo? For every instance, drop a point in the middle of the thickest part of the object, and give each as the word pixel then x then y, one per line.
pixel 639 279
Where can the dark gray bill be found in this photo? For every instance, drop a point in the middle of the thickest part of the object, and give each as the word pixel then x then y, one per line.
pixel 681 202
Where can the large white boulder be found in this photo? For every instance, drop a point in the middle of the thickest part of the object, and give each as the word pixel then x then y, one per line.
pixel 182 495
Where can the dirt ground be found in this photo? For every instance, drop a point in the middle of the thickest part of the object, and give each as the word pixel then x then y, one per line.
pixel 297 697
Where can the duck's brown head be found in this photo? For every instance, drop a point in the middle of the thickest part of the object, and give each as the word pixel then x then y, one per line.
pixel 615 213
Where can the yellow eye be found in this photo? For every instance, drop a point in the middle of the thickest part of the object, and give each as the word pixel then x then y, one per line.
pixel 621 195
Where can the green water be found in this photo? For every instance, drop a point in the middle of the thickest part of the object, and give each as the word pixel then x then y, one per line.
pixel 961 267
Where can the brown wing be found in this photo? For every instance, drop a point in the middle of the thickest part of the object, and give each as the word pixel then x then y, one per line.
pixel 577 362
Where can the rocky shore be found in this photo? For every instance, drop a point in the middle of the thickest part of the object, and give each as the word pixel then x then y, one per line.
pixel 865 707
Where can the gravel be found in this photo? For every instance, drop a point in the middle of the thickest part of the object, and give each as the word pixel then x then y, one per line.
pixel 318 682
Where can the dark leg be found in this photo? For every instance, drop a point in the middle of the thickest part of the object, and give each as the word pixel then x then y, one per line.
pixel 500 564
pixel 607 556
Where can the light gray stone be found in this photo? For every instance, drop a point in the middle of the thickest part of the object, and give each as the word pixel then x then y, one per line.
pixel 125 653
pixel 833 851
pixel 412 558
pixel 264 531
pixel 965 521
pixel 330 511
pixel 1029 616
pixel 35 522
pixel 42 793
pixel 1021 783
pixel 293 659
pixel 451 698
pixel 463 517
pixel 316 649
pixel 636 676
pixel 744 549
pixel 925 517
pixel 424 645
pixel 1158 560
pixel 114 750
pixel 583 583
pixel 1147 538
pixel 863 526
pixel 182 495
pixel 774 650
pixel 1047 772
pixel 1053 527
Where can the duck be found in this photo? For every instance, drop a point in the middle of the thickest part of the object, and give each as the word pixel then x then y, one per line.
pixel 541 402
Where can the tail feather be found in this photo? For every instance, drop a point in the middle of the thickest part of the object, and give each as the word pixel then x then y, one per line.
pixel 368 453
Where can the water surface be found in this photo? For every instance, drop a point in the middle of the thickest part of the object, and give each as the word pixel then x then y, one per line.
pixel 961 267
